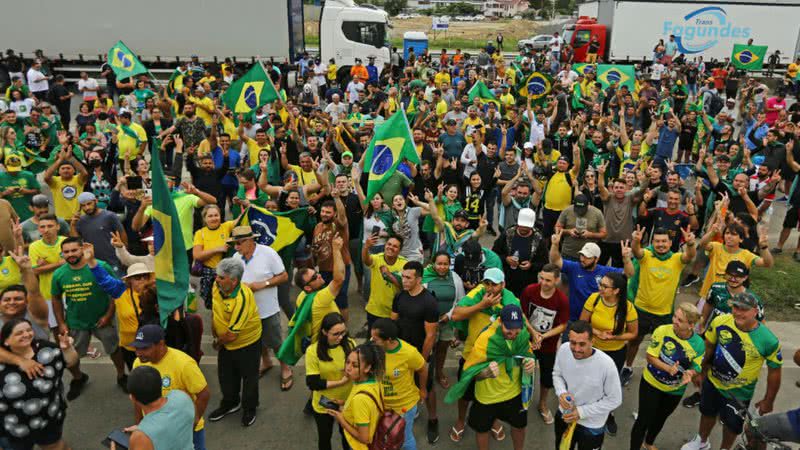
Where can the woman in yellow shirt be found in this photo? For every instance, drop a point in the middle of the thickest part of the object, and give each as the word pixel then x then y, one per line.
pixel 209 247
pixel 325 374
pixel 361 412
pixel 127 307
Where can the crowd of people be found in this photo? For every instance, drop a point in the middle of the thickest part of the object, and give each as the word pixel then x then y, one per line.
pixel 544 236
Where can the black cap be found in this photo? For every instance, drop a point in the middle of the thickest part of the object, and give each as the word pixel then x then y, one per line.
pixel 581 201
pixel 450 122
pixel 148 336
pixel 737 268
pixel 725 158
pixel 461 214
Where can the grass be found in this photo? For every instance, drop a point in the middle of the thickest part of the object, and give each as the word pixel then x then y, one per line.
pixel 779 288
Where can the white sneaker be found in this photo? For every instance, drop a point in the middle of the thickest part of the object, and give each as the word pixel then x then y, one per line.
pixel 696 444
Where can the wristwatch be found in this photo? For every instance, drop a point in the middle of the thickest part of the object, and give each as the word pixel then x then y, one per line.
pixel 266 284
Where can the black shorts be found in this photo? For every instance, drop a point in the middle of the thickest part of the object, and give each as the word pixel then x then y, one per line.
pixel 469 394
pixel 429 383
pixel 481 417
pixel 546 363
pixel 713 403
pixel 792 217
pixel 49 435
pixel 648 322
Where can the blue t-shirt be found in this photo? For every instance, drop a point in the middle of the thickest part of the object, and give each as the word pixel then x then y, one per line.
pixel 582 284
pixel 233 162
pixel 666 143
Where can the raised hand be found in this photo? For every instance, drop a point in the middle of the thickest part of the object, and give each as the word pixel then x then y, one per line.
pixel 688 235
pixel 638 234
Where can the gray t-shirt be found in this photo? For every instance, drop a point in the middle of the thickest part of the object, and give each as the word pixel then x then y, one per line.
pixel 592 221
pixel 457 116
pixel 96 230
pixel 30 230
pixel 412 245
pixel 619 218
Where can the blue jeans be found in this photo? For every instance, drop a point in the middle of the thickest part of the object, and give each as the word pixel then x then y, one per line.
pixel 199 439
pixel 410 443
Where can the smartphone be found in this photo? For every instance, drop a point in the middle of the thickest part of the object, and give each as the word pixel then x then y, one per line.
pixel 327 403
pixel 134 183
pixel 376 230
pixel 119 437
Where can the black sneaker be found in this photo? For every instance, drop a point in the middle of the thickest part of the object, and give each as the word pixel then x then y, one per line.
pixel 76 386
pixel 692 400
pixel 625 376
pixel 308 409
pixel 122 382
pixel 249 417
pixel 433 431
pixel 221 412
pixel 690 280
pixel 611 425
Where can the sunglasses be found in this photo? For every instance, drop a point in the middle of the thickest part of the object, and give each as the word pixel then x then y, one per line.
pixel 313 278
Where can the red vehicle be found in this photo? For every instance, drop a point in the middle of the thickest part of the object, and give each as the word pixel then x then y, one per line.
pixel 579 34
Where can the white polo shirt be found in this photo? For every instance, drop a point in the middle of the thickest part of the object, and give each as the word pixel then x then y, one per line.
pixel 37 86
pixel 264 265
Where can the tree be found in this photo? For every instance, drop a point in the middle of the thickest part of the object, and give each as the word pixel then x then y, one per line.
pixel 395 7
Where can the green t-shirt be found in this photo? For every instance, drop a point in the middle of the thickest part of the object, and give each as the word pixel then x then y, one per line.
pixel 20 202
pixel 85 301
pixel 718 297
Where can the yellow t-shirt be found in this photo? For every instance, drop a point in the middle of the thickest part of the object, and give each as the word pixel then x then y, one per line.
pixel 127 309
pixel 400 393
pixel 128 145
pixel 208 239
pixel 382 292
pixel 332 72
pixel 718 259
pixel 65 195
pixel 332 370
pixel 179 372
pixel 303 178
pixel 792 70
pixel 603 320
pixel 237 314
pixel 469 124
pixel 558 193
pixel 658 282
pixel 361 411
pixel 230 127
pixel 503 387
pixel 441 78
pixel 51 254
pixel 201 113
pixel 324 304
pixel 9 272
pixel 253 149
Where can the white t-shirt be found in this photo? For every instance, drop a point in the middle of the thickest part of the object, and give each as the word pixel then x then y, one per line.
pixel 89 83
pixel 656 70
pixel 37 86
pixel 264 265
pixel 22 107
pixel 555 44
pixel 335 110
pixel 353 89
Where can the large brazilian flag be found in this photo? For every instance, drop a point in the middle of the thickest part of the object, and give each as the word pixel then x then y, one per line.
pixel 249 92
pixel 748 57
pixel 172 266
pixel 124 62
pixel 391 144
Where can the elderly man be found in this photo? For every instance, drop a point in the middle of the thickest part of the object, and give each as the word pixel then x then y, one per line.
pixel 263 272
pixel 237 337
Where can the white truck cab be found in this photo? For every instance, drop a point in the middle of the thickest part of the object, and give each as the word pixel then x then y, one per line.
pixel 348 31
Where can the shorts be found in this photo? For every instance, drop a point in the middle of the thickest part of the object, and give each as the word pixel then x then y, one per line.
pixel 469 394
pixel 49 435
pixel 481 417
pixel 445 332
pixel 107 336
pixel 546 363
pixel 341 299
pixel 648 322
pixel 271 332
pixel 431 367
pixel 792 218
pixel 713 403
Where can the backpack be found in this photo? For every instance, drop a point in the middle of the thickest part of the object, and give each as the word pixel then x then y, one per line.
pixel 390 433
pixel 715 105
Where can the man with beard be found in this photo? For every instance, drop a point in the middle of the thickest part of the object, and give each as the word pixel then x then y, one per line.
pixel 95 227
pixel 516 196
pixel 333 223
pixel 521 250
pixel 582 223
pixel 585 275
pixel 40 206
pixel 737 346
pixel 557 193
pixel 88 312
pixel 453 234
pixel 191 128
pixel 671 219
pixel 206 176
pixel 717 302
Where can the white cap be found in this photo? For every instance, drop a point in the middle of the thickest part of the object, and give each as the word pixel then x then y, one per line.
pixel 526 218
pixel 590 250
pixel 527 145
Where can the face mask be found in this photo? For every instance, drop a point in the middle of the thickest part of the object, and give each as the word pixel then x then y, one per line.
pixel 94 163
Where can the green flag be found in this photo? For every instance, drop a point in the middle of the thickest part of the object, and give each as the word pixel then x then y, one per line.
pixel 254 89
pixel 748 57
pixel 171 264
pixel 391 144
pixel 623 75
pixel 299 336
pixel 482 92
pixel 124 62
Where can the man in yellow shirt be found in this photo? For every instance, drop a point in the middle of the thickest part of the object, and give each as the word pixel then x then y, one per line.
pixel 403 363
pixel 471 123
pixel 178 372
pixel 237 336
pixel 204 106
pixel 45 255
pixel 131 138
pixel 254 146
pixel 67 185
pixel 306 175
pixel 385 269
pixel 313 288
pixel 721 253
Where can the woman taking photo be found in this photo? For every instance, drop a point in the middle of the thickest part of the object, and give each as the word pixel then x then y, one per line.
pixel 405 223
pixel 673 358
pixel 325 374
pixel 210 246
pixel 448 288
pixel 614 323
pixel 361 412
pixel 24 397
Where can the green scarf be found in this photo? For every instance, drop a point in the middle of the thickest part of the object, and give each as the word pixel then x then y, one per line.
pixel 292 348
pixel 633 282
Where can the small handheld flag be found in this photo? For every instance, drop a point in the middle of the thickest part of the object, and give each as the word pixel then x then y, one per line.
pixel 254 89
pixel 391 144
pixel 537 86
pixel 124 62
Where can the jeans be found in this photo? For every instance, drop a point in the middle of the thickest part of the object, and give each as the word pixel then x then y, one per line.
pixel 582 439
pixel 491 201
pixel 199 439
pixel 410 443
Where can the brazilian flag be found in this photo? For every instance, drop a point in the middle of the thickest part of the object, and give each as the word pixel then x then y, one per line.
pixel 391 144
pixel 175 83
pixel 275 229
pixel 537 86
pixel 621 74
pixel 299 335
pixel 583 68
pixel 171 264
pixel 254 89
pixel 482 92
pixel 748 57
pixel 124 62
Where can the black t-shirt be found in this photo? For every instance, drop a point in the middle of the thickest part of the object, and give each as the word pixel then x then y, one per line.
pixel 56 92
pixel 413 312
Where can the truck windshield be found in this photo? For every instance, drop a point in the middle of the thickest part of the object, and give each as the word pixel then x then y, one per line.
pixel 582 38
pixel 370 33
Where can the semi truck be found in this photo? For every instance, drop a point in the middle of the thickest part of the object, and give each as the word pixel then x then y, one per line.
pixel 628 30
pixel 162 32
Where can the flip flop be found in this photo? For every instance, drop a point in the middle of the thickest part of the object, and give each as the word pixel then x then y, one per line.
pixel 498 435
pixel 456 435
pixel 262 372
pixel 287 382
pixel 547 416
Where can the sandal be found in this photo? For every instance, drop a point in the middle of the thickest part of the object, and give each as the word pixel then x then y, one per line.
pixel 499 434
pixel 547 416
pixel 287 382
pixel 444 382
pixel 456 435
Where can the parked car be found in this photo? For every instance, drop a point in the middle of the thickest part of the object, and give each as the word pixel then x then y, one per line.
pixel 539 42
